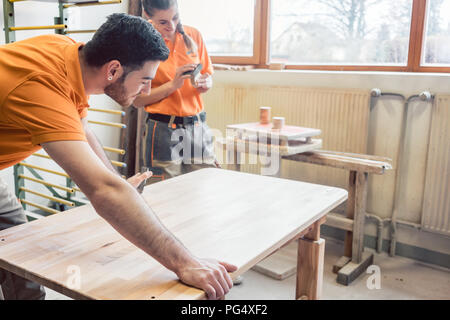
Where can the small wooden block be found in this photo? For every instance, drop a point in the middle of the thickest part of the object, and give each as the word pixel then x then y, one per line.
pixel 341 263
pixel 352 270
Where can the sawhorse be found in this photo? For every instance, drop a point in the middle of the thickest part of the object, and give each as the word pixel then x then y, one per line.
pixel 354 261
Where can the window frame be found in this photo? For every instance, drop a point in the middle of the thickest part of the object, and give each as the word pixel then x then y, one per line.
pixel 261 46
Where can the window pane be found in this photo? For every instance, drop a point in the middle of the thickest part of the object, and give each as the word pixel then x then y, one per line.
pixel 350 32
pixel 226 25
pixel 437 38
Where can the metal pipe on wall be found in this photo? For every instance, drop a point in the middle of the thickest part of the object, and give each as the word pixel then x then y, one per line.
pixel 424 96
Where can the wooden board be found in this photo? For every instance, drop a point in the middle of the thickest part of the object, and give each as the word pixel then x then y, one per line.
pixel 236 217
pixel 286 133
pixel 249 146
pixel 280 265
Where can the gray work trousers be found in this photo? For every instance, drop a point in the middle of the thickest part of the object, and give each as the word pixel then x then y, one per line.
pixel 13 286
pixel 170 151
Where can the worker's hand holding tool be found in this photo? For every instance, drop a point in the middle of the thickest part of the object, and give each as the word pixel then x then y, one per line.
pixel 204 83
pixel 138 178
pixel 209 275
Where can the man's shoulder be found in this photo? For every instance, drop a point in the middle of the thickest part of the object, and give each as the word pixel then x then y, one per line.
pixel 49 39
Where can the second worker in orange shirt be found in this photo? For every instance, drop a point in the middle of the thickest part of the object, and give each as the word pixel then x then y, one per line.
pixel 177 139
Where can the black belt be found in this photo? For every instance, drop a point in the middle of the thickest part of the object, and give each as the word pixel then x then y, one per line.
pixel 178 120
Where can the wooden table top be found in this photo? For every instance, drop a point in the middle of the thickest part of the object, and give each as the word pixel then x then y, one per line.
pixel 231 216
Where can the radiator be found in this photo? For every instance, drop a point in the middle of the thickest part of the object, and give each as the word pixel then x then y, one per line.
pixel 436 203
pixel 342 115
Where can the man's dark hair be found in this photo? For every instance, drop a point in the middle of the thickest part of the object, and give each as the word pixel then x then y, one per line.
pixel 129 39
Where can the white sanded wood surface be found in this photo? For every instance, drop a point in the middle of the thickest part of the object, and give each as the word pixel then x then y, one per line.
pixel 248 146
pixel 232 216
pixel 286 133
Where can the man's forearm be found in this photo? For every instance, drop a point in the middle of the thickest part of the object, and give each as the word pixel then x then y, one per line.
pixel 121 206
pixel 95 144
pixel 135 220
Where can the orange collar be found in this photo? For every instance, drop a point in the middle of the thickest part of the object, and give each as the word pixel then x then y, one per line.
pixel 74 72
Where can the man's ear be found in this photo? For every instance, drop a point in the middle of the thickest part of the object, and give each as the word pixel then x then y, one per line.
pixel 114 70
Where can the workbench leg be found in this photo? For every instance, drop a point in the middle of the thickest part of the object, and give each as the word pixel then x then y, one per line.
pixel 354 242
pixel 311 252
pixel 351 204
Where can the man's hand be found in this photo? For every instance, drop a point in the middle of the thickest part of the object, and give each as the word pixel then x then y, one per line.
pixel 209 275
pixel 136 180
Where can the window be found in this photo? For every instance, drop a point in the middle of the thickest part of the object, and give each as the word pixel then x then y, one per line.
pixel 336 32
pixel 437 35
pixel 366 35
pixel 227 26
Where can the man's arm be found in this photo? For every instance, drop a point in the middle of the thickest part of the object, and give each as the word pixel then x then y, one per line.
pixel 97 146
pixel 120 205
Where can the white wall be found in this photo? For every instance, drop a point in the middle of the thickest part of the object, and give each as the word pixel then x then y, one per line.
pixel 407 84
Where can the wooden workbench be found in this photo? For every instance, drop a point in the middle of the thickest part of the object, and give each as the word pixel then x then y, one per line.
pixel 235 217
pixel 354 261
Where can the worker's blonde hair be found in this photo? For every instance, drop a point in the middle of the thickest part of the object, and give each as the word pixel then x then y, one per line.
pixel 151 5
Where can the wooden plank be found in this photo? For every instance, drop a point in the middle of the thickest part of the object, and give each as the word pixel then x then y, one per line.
pixel 342 162
pixel 341 263
pixel 286 133
pixel 236 217
pixel 356 155
pixel 338 221
pixel 283 263
pixel 280 265
pixel 253 147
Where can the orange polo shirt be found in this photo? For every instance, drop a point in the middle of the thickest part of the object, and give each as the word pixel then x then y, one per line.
pixel 186 101
pixel 42 96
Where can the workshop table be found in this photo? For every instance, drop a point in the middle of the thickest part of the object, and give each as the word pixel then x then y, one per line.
pixel 355 260
pixel 231 216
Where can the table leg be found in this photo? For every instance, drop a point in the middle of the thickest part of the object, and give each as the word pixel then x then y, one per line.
pixel 311 252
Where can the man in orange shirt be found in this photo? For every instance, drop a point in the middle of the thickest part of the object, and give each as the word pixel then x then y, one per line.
pixel 43 104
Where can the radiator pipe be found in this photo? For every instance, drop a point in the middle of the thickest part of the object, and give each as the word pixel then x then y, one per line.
pixel 424 96
pixel 380 226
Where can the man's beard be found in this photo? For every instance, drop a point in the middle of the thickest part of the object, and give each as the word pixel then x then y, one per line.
pixel 117 92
